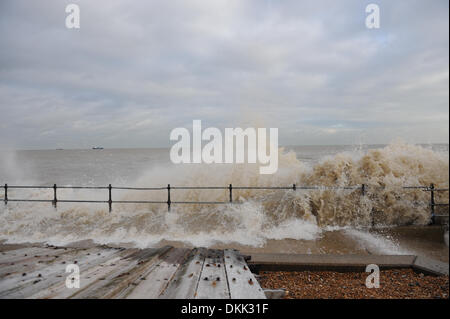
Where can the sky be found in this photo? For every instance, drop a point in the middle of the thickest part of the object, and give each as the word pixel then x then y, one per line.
pixel 136 70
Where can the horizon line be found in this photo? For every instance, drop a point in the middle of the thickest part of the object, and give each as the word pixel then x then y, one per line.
pixel 168 147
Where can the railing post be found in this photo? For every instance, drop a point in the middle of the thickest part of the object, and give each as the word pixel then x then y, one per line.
pixel 432 203
pixel 168 197
pixel 54 196
pixel 231 192
pixel 294 187
pixel 363 189
pixel 6 194
pixel 110 198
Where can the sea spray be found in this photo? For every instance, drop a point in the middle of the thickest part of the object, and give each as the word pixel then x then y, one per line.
pixel 257 215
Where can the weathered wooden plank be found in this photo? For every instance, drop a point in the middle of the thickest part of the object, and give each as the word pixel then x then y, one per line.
pixel 213 279
pixel 6 247
pixel 23 254
pixel 87 277
pixel 35 262
pixel 241 281
pixel 27 284
pixel 16 250
pixel 20 271
pixel 115 281
pixel 185 281
pixel 156 279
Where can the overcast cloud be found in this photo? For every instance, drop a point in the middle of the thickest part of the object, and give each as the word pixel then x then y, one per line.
pixel 137 69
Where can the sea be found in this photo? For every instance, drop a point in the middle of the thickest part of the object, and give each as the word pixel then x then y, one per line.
pixel 332 216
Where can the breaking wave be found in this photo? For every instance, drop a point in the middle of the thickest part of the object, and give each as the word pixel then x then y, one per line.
pixel 260 215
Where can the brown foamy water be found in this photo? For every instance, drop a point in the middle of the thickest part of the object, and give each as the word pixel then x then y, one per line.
pixel 315 221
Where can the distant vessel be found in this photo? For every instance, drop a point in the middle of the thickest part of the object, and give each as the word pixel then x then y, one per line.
pixel 97 148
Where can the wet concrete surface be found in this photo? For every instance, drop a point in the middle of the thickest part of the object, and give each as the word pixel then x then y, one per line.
pixel 425 241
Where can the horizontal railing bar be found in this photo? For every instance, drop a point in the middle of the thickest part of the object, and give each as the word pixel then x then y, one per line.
pixel 298 187
pixel 265 187
pixel 414 187
pixel 29 187
pixel 138 202
pixel 425 188
pixel 113 202
pixel 185 187
pixel 140 188
pixel 443 204
pixel 80 201
pixel 203 202
pixel 199 187
pixel 262 187
pixel 51 187
pixel 332 187
pixel 30 200
pixel 82 187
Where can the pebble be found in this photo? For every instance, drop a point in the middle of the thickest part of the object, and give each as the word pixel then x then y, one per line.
pixel 334 285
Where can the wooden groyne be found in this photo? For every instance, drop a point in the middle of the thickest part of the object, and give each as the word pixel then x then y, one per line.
pixel 105 272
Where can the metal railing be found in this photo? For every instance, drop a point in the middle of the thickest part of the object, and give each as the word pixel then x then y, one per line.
pixel 433 203
pixel 363 188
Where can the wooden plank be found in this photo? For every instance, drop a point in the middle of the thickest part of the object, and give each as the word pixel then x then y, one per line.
pixel 241 281
pixel 87 277
pixel 23 286
pixel 21 271
pixel 16 250
pixel 7 247
pixel 23 254
pixel 155 280
pixel 184 283
pixel 35 262
pixel 112 283
pixel 18 285
pixel 213 279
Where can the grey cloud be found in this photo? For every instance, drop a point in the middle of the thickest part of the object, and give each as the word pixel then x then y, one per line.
pixel 136 70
